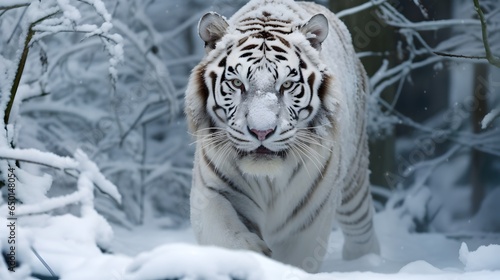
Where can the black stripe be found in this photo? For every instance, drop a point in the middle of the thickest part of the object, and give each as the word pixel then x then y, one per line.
pixel 228 182
pixel 249 224
pixel 268 26
pixel 242 41
pixel 283 41
pixel 256 180
pixel 301 93
pixel 283 140
pixel 236 130
pixel 222 193
pixel 368 227
pixel 249 47
pixel 266 19
pixel 281 31
pixel 305 200
pixel 240 173
pixel 356 161
pixel 302 64
pixel 280 57
pixel 295 172
pixel 324 87
pixel 359 220
pixel 347 197
pixel 274 195
pixel 285 131
pixel 213 76
pixel 238 139
pixel 310 81
pixel 363 199
pixel 215 108
pixel 222 62
pixel 278 49
pixel 310 220
pixel 202 88
pixel 363 241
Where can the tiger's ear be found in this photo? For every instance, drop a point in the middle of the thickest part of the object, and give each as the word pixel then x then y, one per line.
pixel 316 30
pixel 211 28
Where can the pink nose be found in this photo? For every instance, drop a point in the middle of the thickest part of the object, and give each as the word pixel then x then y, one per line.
pixel 261 134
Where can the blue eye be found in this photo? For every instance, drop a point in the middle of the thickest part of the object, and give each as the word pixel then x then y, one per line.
pixel 237 83
pixel 287 84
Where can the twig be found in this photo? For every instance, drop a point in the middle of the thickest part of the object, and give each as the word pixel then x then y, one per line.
pixel 19 74
pixel 359 8
pixel 460 56
pixel 138 120
pixel 43 262
pixel 16 25
pixel 20 68
pixel 35 162
pixel 492 59
pixel 10 7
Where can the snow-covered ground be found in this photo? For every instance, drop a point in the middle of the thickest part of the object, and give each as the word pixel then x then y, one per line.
pixel 68 244
pixel 146 253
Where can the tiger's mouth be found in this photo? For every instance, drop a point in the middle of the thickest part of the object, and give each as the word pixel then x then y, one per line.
pixel 262 151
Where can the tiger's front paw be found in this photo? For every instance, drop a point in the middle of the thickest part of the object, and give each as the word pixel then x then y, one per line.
pixel 250 241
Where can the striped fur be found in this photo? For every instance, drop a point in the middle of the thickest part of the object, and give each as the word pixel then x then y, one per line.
pixel 279 121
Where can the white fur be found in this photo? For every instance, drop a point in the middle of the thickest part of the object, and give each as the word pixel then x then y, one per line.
pixel 266 179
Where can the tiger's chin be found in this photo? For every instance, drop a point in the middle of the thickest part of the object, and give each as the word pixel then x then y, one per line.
pixel 262 162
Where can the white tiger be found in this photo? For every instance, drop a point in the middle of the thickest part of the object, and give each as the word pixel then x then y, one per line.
pixel 277 107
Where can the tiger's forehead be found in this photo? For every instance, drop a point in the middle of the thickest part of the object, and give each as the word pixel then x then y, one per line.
pixel 260 50
pixel 264 26
pixel 263 58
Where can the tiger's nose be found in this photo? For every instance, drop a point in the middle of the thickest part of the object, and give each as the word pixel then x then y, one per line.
pixel 261 134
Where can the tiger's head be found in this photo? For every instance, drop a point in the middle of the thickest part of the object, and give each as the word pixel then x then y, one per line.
pixel 257 95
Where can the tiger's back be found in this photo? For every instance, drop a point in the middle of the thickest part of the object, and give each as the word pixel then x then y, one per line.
pixel 277 107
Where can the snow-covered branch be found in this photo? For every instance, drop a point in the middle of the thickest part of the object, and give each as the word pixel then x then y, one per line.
pixel 80 163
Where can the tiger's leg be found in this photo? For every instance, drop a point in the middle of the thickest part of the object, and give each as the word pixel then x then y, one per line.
pixel 355 216
pixel 308 244
pixel 216 222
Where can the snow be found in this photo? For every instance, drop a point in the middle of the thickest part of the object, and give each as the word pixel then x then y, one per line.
pixel 30 192
pixel 49 204
pixel 416 202
pixel 490 117
pixel 34 155
pixel 70 12
pixel 91 168
pixel 67 238
pixel 420 267
pixel 73 244
pixel 264 106
pixel 7 3
pixel 150 265
pixel 285 10
pixel 484 258
pixel 152 253
pixel 101 9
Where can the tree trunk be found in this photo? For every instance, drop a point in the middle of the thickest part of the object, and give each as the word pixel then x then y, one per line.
pixel 370 33
pixel 480 109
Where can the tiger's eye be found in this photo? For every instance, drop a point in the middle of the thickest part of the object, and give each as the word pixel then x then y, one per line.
pixel 287 85
pixel 237 83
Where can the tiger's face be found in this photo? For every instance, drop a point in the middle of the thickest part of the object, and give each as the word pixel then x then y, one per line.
pixel 263 97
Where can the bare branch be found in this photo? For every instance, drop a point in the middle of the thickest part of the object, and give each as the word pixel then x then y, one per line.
pixel 460 56
pixel 492 59
pixel 22 3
